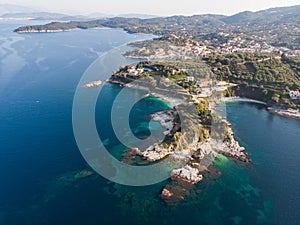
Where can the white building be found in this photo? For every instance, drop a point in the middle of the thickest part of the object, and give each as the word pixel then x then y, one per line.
pixel 294 94
pixel 132 71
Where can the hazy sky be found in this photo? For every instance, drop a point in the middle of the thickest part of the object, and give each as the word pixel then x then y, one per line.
pixel 154 7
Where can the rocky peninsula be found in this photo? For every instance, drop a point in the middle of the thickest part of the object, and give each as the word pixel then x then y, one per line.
pixel 194 148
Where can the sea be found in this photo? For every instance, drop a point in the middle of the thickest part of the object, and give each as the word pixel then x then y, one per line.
pixel 40 160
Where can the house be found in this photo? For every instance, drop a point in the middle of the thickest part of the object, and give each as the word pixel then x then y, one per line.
pixel 294 94
pixel 132 71
pixel 189 79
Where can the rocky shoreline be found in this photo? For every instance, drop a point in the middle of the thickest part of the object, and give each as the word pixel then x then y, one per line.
pixel 184 179
pixel 187 174
pixel 231 147
pixel 289 113
pixel 157 151
pixel 44 31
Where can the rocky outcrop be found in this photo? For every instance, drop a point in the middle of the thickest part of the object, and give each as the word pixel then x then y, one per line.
pixel 93 84
pixel 131 156
pixel 235 151
pixel 157 151
pixel 187 174
pixel 166 193
pixel 165 118
pixel 183 182
pixel 173 194
pixel 154 153
pixel 230 147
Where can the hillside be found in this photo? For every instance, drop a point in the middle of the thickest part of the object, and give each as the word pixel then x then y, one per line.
pixel 268 25
pixel 265 77
pixel 269 16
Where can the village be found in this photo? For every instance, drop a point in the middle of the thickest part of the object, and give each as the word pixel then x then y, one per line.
pixel 178 47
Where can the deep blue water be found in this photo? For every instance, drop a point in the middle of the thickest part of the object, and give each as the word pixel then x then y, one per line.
pixel 273 142
pixel 38 155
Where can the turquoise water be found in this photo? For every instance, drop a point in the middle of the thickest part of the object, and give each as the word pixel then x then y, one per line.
pixel 39 157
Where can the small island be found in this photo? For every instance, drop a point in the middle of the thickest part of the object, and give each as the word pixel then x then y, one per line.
pixel 93 84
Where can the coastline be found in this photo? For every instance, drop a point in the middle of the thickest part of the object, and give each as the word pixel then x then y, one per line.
pixel 60 30
pixel 242 99
pixel 172 101
pixel 288 113
pixel 46 31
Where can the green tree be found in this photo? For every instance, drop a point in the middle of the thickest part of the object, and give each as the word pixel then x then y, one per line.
pixel 276 98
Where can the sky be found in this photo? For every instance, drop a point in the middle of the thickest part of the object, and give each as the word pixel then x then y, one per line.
pixel 152 7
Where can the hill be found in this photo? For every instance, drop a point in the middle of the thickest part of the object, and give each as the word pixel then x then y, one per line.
pixel 267 25
pixel 269 16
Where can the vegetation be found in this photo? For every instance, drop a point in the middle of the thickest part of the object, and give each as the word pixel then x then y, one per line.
pixel 262 76
pixel 204 112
